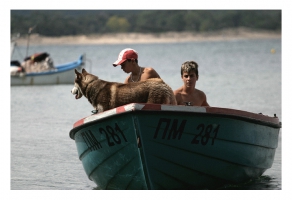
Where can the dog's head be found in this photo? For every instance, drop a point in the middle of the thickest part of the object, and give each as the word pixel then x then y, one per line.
pixel 81 81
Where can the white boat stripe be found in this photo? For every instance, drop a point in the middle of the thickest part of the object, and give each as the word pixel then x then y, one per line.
pixel 158 107
pixel 135 106
pixel 100 115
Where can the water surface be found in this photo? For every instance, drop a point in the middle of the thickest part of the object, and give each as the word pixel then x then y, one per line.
pixel 239 74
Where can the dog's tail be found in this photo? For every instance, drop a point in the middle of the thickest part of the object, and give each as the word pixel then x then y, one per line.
pixel 160 92
pixel 168 94
pixel 172 100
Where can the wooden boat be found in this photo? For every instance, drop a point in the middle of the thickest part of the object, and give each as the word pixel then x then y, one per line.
pixel 150 146
pixel 60 74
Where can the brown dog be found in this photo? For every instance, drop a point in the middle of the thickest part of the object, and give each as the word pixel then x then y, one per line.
pixel 105 95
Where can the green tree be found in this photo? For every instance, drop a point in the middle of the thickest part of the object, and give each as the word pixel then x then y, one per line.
pixel 192 20
pixel 77 22
pixel 117 24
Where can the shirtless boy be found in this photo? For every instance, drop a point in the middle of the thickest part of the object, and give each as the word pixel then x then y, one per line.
pixel 188 94
pixel 128 59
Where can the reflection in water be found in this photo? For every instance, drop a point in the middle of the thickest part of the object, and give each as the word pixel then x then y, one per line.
pixel 261 183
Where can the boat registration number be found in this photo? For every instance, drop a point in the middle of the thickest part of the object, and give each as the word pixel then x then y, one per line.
pixel 172 129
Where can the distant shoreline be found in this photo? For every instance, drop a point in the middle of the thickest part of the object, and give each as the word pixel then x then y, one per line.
pixel 143 38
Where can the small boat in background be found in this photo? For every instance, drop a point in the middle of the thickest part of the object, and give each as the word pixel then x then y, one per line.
pixel 151 146
pixel 46 73
pixel 39 69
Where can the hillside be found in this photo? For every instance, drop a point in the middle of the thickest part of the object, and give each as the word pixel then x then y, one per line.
pixel 130 38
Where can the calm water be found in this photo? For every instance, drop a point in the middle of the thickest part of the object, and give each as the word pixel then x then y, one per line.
pixel 241 74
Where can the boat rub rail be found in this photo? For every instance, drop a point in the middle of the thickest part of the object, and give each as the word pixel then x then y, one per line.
pixel 222 112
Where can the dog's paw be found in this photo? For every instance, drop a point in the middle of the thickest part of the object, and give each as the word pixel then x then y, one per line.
pixel 94 112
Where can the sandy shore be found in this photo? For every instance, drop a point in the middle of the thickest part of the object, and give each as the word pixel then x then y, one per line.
pixel 131 38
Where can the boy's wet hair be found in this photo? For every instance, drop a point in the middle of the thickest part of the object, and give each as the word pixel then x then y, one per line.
pixel 190 66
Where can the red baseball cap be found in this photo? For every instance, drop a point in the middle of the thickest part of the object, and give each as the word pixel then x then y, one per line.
pixel 124 55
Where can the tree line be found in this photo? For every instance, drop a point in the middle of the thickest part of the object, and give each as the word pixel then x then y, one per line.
pixel 87 22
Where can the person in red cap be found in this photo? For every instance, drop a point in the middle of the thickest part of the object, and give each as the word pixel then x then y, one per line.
pixel 188 94
pixel 128 59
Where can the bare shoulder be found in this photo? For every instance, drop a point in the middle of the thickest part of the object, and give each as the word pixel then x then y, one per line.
pixel 148 69
pixel 201 93
pixel 155 79
pixel 177 91
pixel 127 80
pixel 150 72
pixel 203 97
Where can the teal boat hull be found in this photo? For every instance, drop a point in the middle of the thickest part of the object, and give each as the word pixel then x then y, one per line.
pixel 147 146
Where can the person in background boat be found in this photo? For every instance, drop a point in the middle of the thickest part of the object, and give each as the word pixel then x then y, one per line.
pixel 128 59
pixel 188 94
pixel 38 62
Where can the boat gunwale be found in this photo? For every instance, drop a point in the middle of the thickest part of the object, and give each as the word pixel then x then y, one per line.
pixel 207 111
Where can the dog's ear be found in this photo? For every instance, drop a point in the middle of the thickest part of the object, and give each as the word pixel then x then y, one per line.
pixel 84 71
pixel 76 72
